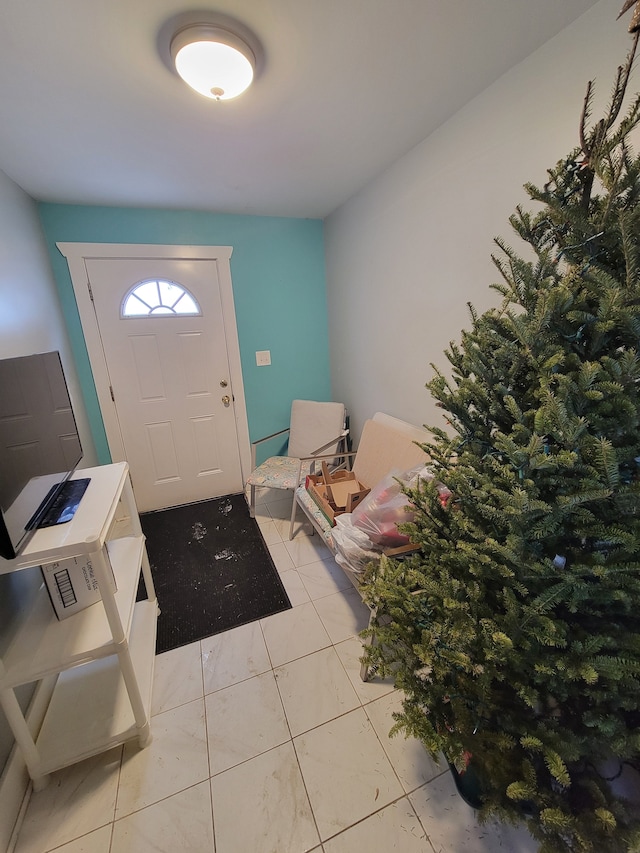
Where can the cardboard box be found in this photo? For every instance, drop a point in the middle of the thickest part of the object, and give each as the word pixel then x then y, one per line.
pixel 72 585
pixel 336 493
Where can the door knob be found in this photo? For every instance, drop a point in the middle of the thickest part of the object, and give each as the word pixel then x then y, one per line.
pixel 226 399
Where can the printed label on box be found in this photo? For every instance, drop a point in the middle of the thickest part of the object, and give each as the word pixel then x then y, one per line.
pixel 72 585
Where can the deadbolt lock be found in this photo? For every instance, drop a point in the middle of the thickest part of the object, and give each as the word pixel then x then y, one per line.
pixel 223 383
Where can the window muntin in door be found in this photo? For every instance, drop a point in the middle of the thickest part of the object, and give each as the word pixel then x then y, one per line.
pixel 158 297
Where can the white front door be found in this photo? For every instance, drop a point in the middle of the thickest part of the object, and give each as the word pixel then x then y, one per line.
pixel 163 337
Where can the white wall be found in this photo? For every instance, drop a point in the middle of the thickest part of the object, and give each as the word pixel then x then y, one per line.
pixel 30 314
pixel 30 321
pixel 408 252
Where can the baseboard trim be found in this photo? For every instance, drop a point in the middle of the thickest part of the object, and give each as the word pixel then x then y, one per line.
pixel 15 784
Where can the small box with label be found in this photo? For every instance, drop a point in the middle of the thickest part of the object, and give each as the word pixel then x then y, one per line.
pixel 72 585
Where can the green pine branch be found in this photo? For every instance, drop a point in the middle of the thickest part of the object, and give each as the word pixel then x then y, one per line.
pixel 513 630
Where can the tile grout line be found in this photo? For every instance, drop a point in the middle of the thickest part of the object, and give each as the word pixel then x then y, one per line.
pixel 115 804
pixel 293 743
pixel 363 704
pixel 206 733
pixel 306 790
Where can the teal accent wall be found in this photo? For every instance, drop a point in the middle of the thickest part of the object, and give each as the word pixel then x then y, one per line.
pixel 278 275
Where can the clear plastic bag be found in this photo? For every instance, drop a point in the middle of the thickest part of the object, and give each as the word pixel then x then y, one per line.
pixel 354 549
pixel 386 506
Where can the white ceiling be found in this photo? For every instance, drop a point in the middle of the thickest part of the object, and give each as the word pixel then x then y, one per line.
pixel 90 114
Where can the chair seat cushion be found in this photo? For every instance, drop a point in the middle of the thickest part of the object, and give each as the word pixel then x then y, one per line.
pixel 278 472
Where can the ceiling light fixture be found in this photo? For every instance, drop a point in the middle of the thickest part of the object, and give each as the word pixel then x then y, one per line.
pixel 213 60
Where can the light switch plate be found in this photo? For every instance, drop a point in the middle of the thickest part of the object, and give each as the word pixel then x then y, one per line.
pixel 263 357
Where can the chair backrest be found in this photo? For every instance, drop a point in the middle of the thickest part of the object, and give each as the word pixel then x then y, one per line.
pixel 314 424
pixel 387 445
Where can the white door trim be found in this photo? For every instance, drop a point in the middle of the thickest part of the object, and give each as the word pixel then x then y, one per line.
pixel 78 253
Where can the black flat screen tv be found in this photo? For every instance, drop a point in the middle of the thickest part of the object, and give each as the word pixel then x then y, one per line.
pixel 39 449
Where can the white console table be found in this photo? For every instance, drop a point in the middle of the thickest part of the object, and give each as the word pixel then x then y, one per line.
pixel 103 656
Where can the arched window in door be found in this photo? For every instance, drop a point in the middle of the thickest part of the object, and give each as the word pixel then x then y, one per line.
pixel 155 296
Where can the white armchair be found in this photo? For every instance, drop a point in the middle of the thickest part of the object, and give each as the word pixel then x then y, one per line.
pixel 315 428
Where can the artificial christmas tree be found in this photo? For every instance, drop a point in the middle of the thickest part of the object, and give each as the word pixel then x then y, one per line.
pixel 514 631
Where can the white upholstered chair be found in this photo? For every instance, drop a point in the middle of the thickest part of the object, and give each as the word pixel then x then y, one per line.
pixel 315 428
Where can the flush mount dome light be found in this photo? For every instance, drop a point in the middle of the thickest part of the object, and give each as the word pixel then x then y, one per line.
pixel 214 61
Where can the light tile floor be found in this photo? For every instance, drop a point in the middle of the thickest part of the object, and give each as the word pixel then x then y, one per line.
pixel 265 740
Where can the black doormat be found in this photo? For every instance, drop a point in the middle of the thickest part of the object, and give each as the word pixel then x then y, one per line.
pixel 211 569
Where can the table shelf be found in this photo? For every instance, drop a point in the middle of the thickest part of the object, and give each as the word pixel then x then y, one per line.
pixel 90 711
pixel 103 655
pixel 43 644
